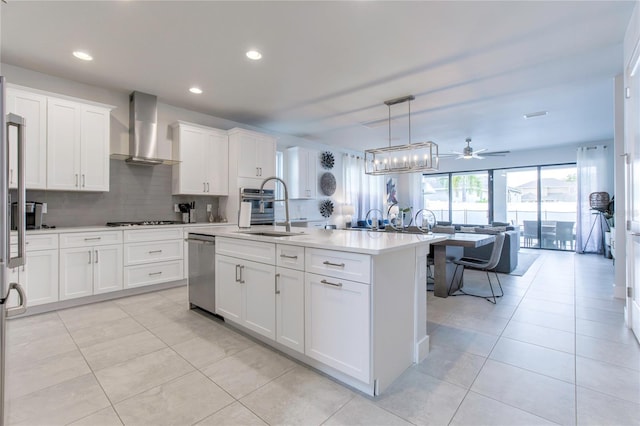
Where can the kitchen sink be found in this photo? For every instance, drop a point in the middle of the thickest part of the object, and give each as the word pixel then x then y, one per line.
pixel 271 233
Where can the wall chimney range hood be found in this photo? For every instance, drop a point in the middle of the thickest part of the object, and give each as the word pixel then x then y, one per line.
pixel 143 131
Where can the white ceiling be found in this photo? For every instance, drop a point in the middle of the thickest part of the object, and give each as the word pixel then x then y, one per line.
pixel 475 67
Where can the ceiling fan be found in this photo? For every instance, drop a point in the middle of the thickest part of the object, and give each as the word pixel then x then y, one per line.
pixel 468 152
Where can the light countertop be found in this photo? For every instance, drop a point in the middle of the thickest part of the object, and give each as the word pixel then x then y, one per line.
pixel 366 242
pixel 97 228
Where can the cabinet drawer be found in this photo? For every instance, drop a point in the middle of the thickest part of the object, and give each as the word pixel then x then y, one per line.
pixel 246 249
pixel 152 273
pixel 290 256
pixel 90 239
pixel 350 266
pixel 138 253
pixel 138 235
pixel 41 242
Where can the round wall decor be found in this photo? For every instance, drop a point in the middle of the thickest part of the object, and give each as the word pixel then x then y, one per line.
pixel 326 160
pixel 326 208
pixel 328 183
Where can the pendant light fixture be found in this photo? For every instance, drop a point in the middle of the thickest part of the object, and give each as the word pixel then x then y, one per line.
pixel 409 158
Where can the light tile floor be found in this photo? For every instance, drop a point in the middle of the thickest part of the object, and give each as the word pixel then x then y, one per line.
pixel 553 350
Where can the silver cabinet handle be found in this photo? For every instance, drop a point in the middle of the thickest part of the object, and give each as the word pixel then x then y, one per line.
pixel 155 251
pixel 10 175
pixel 237 273
pixel 276 283
pixel 339 265
pixel 286 256
pixel 18 122
pixel 208 187
pixel 93 239
pixel 96 261
pixel 204 186
pixel 22 299
pixel 89 258
pixel 330 283
pixel 76 180
pixel 241 279
pixel 155 273
pixel 83 181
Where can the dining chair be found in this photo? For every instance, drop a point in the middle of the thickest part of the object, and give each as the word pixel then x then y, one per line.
pixel 564 234
pixel 530 232
pixel 480 265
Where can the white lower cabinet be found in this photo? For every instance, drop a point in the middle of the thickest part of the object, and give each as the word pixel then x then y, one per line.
pixel 153 256
pixel 245 294
pixel 90 270
pixel 337 324
pixel 39 277
pixel 290 308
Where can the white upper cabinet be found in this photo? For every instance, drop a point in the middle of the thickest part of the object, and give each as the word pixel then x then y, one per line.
pixel 255 153
pixel 33 108
pixel 77 146
pixel 203 153
pixel 301 172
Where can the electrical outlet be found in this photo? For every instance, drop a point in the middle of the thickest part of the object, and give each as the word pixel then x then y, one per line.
pixel 208 208
pixel 176 208
pixel 44 207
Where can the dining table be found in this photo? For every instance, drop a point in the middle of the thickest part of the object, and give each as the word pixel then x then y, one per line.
pixel 452 248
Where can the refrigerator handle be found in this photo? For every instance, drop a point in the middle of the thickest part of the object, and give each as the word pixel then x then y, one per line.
pixel 18 122
pixel 22 298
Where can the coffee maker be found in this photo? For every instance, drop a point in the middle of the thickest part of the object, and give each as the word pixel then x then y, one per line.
pixel 32 213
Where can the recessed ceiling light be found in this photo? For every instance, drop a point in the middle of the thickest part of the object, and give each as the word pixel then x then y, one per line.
pixel 82 55
pixel 195 90
pixel 254 54
pixel 535 114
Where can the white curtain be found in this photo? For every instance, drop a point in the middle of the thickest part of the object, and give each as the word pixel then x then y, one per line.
pixel 594 175
pixel 362 191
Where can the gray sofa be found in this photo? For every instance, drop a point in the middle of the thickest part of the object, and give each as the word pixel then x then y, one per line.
pixel 509 256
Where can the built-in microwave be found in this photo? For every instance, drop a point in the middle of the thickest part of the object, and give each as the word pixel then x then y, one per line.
pixel 255 196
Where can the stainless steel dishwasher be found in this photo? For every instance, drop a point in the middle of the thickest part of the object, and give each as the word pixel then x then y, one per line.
pixel 202 271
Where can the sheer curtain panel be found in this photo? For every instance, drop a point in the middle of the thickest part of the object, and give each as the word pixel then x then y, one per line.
pixel 594 175
pixel 363 192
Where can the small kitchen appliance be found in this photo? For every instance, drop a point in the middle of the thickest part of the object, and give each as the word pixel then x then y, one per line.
pixel 32 212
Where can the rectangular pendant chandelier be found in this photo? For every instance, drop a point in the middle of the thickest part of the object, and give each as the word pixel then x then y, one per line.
pixel 410 158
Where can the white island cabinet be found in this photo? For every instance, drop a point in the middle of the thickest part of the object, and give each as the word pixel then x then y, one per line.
pixel 350 304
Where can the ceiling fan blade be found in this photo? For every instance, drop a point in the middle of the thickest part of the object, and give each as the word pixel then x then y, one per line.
pixel 480 150
pixel 497 153
pixel 447 155
pixel 459 157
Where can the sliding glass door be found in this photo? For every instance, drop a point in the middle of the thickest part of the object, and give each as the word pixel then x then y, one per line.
pixel 435 192
pixel 558 207
pixel 470 198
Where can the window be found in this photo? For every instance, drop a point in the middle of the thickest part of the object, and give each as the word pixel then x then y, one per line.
pixel 435 193
pixel 470 198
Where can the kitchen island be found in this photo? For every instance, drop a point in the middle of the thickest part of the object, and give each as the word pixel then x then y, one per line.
pixel 351 304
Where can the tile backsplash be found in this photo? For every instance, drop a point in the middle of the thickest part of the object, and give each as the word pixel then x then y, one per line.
pixel 135 193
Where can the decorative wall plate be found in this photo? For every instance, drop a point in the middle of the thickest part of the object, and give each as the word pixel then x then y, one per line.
pixel 328 183
pixel 326 208
pixel 326 160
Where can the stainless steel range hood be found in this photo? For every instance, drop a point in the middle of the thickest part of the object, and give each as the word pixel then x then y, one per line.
pixel 143 131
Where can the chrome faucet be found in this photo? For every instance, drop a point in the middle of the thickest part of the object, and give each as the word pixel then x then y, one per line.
pixel 287 221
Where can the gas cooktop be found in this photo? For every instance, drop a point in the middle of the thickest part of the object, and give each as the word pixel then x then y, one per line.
pixel 145 223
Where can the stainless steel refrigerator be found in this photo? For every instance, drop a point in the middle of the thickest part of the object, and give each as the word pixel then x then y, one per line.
pixel 11 138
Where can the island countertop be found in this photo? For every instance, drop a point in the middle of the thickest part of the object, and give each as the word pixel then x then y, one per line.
pixel 366 242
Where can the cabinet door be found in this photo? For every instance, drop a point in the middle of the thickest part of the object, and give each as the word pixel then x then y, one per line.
pixel 216 164
pixel 259 298
pixel 33 108
pixel 107 268
pixel 41 280
pixel 63 144
pixel 76 272
pixel 228 289
pixel 247 156
pixel 311 175
pixel 94 150
pixel 266 156
pixel 290 308
pixel 337 323
pixel 192 144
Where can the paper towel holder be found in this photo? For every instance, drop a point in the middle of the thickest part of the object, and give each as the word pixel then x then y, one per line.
pixel 244 215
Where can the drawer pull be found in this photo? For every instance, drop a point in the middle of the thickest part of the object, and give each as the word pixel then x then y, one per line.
pixel 330 283
pixel 288 257
pixel 93 239
pixel 155 273
pixel 277 280
pixel 89 262
pixel 339 265
pixel 155 251
pixel 241 279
